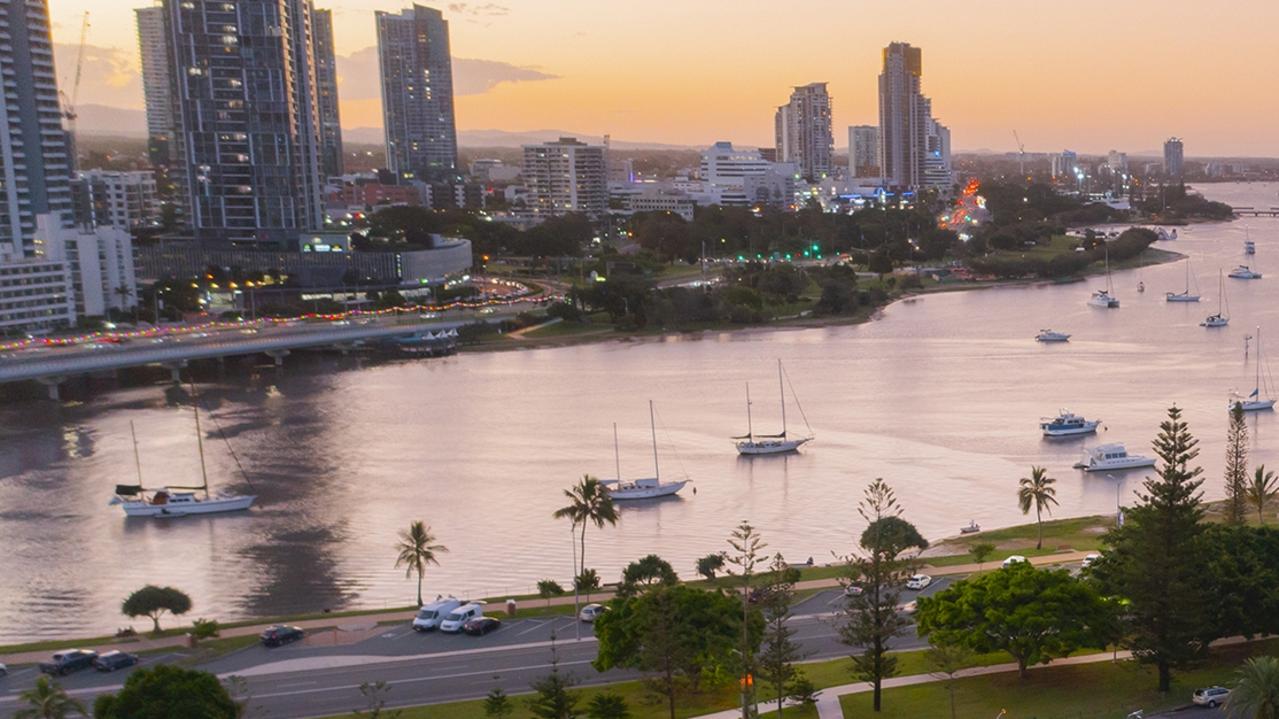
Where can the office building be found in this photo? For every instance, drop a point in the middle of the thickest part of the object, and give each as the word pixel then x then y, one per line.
pixel 729 171
pixel 246 118
pixel 566 176
pixel 35 162
pixel 109 198
pixel 914 149
pixel 156 84
pixel 1117 162
pixel 1174 159
pixel 803 131
pixel 326 93
pixel 863 151
pixel 1065 164
pixel 417 94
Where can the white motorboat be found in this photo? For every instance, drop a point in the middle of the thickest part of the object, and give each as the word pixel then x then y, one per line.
pixel 1068 424
pixel 1105 298
pixel 645 487
pixel 1244 272
pixel 1112 457
pixel 1051 336
pixel 1185 295
pixel 1222 318
pixel 751 444
pixel 175 501
pixel 1262 396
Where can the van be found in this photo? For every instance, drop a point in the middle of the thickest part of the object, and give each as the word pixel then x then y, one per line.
pixel 453 621
pixel 430 615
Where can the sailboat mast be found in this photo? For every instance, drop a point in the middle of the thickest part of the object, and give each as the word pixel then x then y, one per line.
pixel 652 424
pixel 781 393
pixel 137 460
pixel 617 456
pixel 750 425
pixel 199 439
pixel 1257 386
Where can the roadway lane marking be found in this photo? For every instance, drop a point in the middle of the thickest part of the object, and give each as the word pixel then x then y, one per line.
pixel 536 626
pixel 299 684
pixel 415 680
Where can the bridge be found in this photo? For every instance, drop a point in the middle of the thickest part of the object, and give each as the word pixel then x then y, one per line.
pixel 54 366
pixel 1257 212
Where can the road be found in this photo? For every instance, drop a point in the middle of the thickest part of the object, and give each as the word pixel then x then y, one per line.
pixel 310 679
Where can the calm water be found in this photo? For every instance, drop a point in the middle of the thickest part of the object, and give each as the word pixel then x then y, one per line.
pixel 940 396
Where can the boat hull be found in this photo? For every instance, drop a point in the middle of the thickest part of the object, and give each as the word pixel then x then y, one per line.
pixel 1131 463
pixel 1215 322
pixel 751 449
pixel 1181 298
pixel 1106 303
pixel 1253 405
pixel 207 506
pixel 1052 338
pixel 1087 428
pixel 664 489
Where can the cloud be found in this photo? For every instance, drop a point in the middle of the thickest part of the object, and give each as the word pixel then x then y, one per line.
pixel 485 10
pixel 109 76
pixel 358 75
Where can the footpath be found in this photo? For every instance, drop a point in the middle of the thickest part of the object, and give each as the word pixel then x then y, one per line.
pixel 362 621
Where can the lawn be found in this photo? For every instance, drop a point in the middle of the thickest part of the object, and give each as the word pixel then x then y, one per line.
pixel 1081 533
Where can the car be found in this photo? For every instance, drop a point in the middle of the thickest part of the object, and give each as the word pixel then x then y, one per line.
pixel 1014 559
pixel 71 660
pixel 3 670
pixel 918 581
pixel 1090 559
pixel 591 612
pixel 1210 696
pixel 280 634
pixel 480 626
pixel 854 590
pixel 910 607
pixel 113 660
pixel 454 620
pixel 430 615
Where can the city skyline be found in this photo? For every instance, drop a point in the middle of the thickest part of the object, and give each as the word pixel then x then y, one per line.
pixel 518 68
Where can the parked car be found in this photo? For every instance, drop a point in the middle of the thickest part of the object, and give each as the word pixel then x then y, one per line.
pixel 1090 558
pixel 3 670
pixel 1210 696
pixel 910 607
pixel 430 615
pixel 71 660
pixel 591 612
pixel 853 590
pixel 280 634
pixel 113 660
pixel 453 621
pixel 1014 559
pixel 482 625
pixel 918 581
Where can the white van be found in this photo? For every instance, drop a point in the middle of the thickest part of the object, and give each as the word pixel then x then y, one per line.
pixel 430 615
pixel 453 621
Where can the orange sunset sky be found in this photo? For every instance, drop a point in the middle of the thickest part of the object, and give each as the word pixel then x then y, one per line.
pixel 1087 75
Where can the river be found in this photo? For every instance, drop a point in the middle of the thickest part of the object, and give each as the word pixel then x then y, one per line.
pixel 940 396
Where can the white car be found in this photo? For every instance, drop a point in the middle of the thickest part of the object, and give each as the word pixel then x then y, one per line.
pixel 431 615
pixel 1090 559
pixel 1014 559
pixel 918 582
pixel 853 590
pixel 591 612
pixel 910 607
pixel 1210 696
pixel 453 621
pixel 3 670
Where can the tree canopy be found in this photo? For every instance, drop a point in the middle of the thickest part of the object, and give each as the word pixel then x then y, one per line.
pixel 152 601
pixel 165 691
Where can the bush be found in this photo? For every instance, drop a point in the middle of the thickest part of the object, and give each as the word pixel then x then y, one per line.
pixel 564 311
pixel 204 628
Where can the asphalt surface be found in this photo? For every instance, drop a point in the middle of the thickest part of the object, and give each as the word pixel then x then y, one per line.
pixel 300 680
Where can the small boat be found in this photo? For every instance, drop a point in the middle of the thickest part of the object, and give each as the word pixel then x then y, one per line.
pixel 1255 401
pixel 1051 336
pixel 646 487
pixel 1067 424
pixel 1221 319
pixel 1185 295
pixel 1141 287
pixel 173 501
pixel 752 444
pixel 1249 247
pixel 972 528
pixel 1164 234
pixel 1105 298
pixel 1244 272
pixel 1112 457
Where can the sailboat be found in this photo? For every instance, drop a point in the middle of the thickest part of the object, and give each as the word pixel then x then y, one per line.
pixel 1255 401
pixel 753 444
pixel 1105 298
pixel 644 488
pixel 1185 295
pixel 1222 318
pixel 173 501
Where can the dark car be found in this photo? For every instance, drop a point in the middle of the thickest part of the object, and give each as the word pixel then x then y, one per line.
pixel 482 625
pixel 111 661
pixel 71 660
pixel 280 634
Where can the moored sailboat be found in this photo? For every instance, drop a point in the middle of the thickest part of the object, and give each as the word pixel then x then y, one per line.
pixel 1262 395
pixel 1185 295
pixel 646 487
pixel 755 444
pixel 1222 318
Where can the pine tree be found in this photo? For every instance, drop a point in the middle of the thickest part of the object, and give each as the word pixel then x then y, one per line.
pixel 1156 560
pixel 1236 467
pixel 779 650
pixel 552 698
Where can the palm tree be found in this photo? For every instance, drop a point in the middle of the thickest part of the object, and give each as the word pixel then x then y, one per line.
pixel 589 502
pixel 1257 694
pixel 1037 490
pixel 1261 490
pixel 48 701
pixel 418 549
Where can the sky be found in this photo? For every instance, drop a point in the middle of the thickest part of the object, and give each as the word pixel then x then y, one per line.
pixel 1088 75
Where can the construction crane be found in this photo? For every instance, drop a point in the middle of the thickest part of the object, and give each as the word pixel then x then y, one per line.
pixel 69 103
pixel 1021 154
